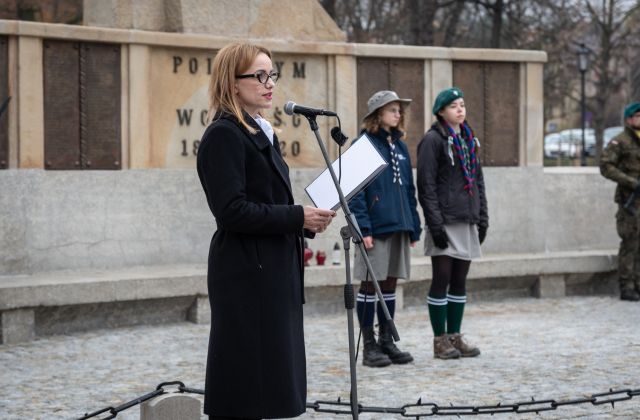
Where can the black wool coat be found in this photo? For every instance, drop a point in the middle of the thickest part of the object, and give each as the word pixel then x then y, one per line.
pixel 256 364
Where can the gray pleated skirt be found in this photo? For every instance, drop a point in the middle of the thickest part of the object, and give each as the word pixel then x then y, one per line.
pixel 463 242
pixel 390 257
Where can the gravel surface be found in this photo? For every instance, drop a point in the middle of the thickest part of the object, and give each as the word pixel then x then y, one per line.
pixel 550 348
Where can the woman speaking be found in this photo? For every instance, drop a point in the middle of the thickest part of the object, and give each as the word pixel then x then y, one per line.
pixel 256 360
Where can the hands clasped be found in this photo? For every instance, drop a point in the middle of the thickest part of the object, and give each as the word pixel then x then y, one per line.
pixel 316 220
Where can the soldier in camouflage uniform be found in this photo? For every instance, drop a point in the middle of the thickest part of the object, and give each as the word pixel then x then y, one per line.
pixel 620 162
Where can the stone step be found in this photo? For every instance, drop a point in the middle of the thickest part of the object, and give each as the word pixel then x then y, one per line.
pixel 68 301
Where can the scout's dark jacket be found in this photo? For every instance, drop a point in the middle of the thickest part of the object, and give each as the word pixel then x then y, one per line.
pixel 441 184
pixel 385 207
pixel 256 360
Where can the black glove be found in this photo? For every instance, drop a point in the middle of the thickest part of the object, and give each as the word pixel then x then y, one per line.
pixel 482 232
pixel 440 238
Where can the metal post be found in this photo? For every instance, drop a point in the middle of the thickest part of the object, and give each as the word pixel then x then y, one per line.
pixel 583 155
pixel 583 64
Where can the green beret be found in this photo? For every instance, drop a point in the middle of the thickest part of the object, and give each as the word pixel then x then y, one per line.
pixel 631 109
pixel 445 97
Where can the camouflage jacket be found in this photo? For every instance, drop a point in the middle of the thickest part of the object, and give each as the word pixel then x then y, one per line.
pixel 620 162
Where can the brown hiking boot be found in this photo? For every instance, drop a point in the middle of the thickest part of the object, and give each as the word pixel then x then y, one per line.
pixel 466 349
pixel 443 349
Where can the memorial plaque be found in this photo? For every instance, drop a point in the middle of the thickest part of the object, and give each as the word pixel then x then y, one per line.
pixel 492 97
pixel 101 144
pixel 61 105
pixel 406 78
pixel 373 75
pixel 4 95
pixel 179 105
pixel 82 105
pixel 502 114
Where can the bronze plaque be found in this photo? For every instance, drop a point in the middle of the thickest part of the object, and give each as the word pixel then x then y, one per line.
pixel 492 97
pixel 100 97
pixel 373 75
pixel 502 114
pixel 4 105
pixel 406 78
pixel 82 105
pixel 61 105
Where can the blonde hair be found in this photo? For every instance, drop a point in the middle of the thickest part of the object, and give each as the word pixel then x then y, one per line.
pixel 372 122
pixel 231 60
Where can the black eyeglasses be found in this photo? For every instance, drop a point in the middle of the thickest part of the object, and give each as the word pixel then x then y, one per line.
pixel 262 76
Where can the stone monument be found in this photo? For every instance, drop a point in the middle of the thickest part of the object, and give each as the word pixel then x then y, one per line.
pixel 301 20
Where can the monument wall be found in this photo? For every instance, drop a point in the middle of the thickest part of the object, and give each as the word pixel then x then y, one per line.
pixel 97 147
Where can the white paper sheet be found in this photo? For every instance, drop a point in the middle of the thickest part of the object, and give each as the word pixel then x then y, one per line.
pixel 361 164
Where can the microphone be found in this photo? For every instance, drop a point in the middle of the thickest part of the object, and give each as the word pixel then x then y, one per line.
pixel 291 108
pixel 338 136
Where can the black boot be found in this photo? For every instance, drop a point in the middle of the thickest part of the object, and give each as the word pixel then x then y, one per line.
pixel 389 348
pixel 629 294
pixel 372 355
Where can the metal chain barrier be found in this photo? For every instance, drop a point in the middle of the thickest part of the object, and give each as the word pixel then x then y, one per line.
pixel 417 410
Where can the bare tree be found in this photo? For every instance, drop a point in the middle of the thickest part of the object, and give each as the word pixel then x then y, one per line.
pixel 496 10
pixel 555 26
pixel 394 21
pixel 451 18
pixel 8 9
pixel 421 19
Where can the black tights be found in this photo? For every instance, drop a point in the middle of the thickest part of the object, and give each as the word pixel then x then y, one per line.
pixel 386 286
pixel 448 272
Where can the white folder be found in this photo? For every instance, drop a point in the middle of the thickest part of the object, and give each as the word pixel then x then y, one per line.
pixel 360 165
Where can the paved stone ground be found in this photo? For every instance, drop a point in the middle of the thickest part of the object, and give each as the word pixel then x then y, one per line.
pixel 553 348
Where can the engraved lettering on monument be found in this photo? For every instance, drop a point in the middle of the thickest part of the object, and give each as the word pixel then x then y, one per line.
pixel 179 101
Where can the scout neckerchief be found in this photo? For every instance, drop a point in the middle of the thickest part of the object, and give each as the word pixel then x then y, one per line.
pixel 395 159
pixel 466 150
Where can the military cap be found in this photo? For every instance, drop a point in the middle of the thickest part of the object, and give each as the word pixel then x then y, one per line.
pixel 631 109
pixel 445 97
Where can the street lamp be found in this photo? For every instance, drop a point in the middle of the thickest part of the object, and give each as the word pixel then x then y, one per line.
pixel 583 63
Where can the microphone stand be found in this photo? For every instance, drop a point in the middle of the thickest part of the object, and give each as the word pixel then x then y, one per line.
pixel 348 233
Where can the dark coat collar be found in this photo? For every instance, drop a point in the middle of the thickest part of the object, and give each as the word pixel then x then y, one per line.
pixel 632 133
pixel 259 138
pixel 263 144
pixel 439 127
pixel 383 134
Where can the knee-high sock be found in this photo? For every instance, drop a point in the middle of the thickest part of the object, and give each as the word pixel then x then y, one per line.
pixel 366 308
pixel 437 314
pixel 455 311
pixel 390 300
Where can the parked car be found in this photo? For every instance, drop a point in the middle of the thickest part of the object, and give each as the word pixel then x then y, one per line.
pixel 552 145
pixel 555 145
pixel 568 143
pixel 573 136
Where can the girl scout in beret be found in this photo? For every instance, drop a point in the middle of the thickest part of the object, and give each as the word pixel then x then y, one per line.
pixel 387 214
pixel 452 195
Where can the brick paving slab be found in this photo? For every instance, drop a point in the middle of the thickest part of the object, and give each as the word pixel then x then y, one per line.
pixel 549 348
